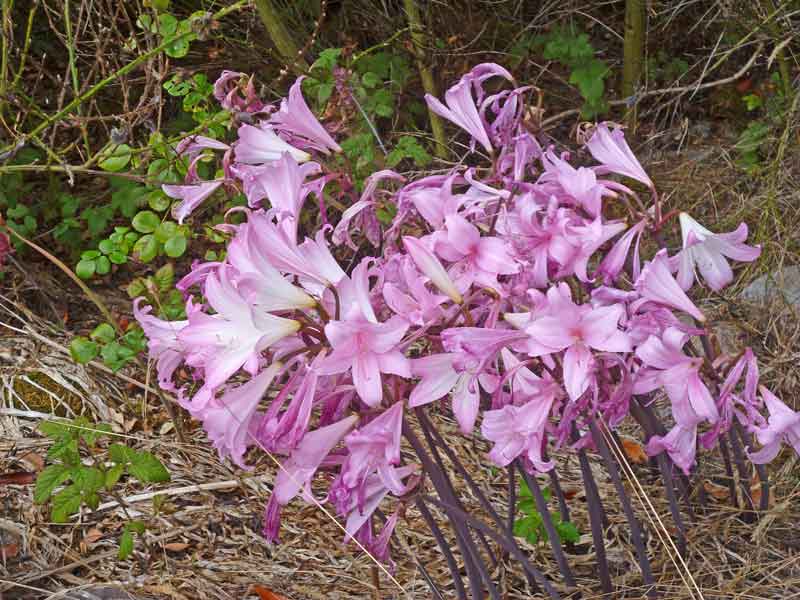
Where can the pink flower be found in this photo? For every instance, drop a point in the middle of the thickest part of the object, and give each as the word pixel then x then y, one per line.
pixel 409 297
pixel 656 284
pixel 194 144
pixel 518 430
pixel 708 252
pixel 368 349
pixel 461 108
pixel 228 92
pixel 232 338
pixel 611 149
pixel 576 329
pixel 296 473
pixel 678 374
pixel 372 449
pixel 162 342
pixel 191 196
pixel 427 262
pixel 477 259
pixel 295 118
pixel 228 420
pixel 680 444
pixel 614 261
pixel 259 145
pixel 783 426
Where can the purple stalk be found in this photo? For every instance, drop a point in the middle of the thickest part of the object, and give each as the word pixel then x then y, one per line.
pixel 666 476
pixel 763 476
pixel 555 485
pixel 512 498
pixel 636 529
pixel 461 593
pixel 726 457
pixel 500 539
pixel 744 476
pixel 472 564
pixel 547 521
pixel 597 518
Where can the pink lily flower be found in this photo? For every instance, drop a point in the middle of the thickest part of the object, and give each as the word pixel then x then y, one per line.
pixel 232 338
pixel 679 374
pixel 373 448
pixel 611 150
pixel 518 430
pixel 783 426
pixel 577 329
pixel 194 144
pixel 296 473
pixel 162 342
pixel 680 444
pixel 707 252
pixel 295 118
pixel 228 419
pixel 228 92
pixel 414 302
pixel 191 196
pixel 427 262
pixel 259 145
pixel 656 284
pixel 476 259
pixel 614 261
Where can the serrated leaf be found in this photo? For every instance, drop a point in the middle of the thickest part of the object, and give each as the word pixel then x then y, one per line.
pixel 103 333
pixel 147 468
pixel 121 454
pixel 88 479
pixel 54 429
pixel 113 475
pixel 83 350
pixel 48 480
pixel 327 59
pixel 568 532
pixel 65 504
pixel 125 545
pixel 65 449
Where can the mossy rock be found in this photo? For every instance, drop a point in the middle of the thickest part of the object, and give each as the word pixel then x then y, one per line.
pixel 39 400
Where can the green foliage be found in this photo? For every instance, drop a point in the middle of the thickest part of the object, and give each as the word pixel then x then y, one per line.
pixel 530 524
pixel 84 485
pixel 665 69
pixel 158 291
pixel 198 101
pixel 574 50
pixel 103 342
pixel 408 147
pixel 768 110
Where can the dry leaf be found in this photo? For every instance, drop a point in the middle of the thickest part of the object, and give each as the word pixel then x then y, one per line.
pixel 176 546
pixel 8 551
pixel 718 492
pixel 755 492
pixel 92 536
pixel 634 451
pixel 18 478
pixel 265 594
pixel 33 461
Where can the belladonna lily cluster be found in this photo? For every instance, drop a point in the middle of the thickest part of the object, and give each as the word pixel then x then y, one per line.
pixel 503 292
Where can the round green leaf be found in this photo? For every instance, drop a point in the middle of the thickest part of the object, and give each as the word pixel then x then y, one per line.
pixel 145 221
pixel 85 269
pixel 146 249
pixel 116 158
pixel 166 230
pixel 82 350
pixel 89 254
pixel 175 246
pixel 103 333
pixel 118 258
pixel 158 200
pixel 103 265
pixel 106 246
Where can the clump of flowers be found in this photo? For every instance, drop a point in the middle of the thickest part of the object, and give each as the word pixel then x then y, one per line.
pixel 511 292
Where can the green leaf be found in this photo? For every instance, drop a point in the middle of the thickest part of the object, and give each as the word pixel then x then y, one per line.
pixel 525 491
pixel 178 49
pixel 165 277
pixel 103 333
pixel 65 503
pixel 324 91
pixel 54 429
pixel 85 269
pixel 82 350
pixel 527 506
pixel 146 221
pixel 136 526
pixel 136 288
pixel 370 80
pixel 146 248
pixel 167 25
pixel 116 257
pixel 91 432
pixel 103 265
pixel 113 475
pixel 166 230
pixel 65 449
pixel 125 545
pixel 121 454
pixel 568 532
pixel 88 479
pixel 158 200
pixel 116 158
pixel 48 480
pixel 147 468
pixel 327 59
pixel 175 246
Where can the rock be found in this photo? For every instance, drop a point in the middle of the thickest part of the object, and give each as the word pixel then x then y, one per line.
pixel 769 287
